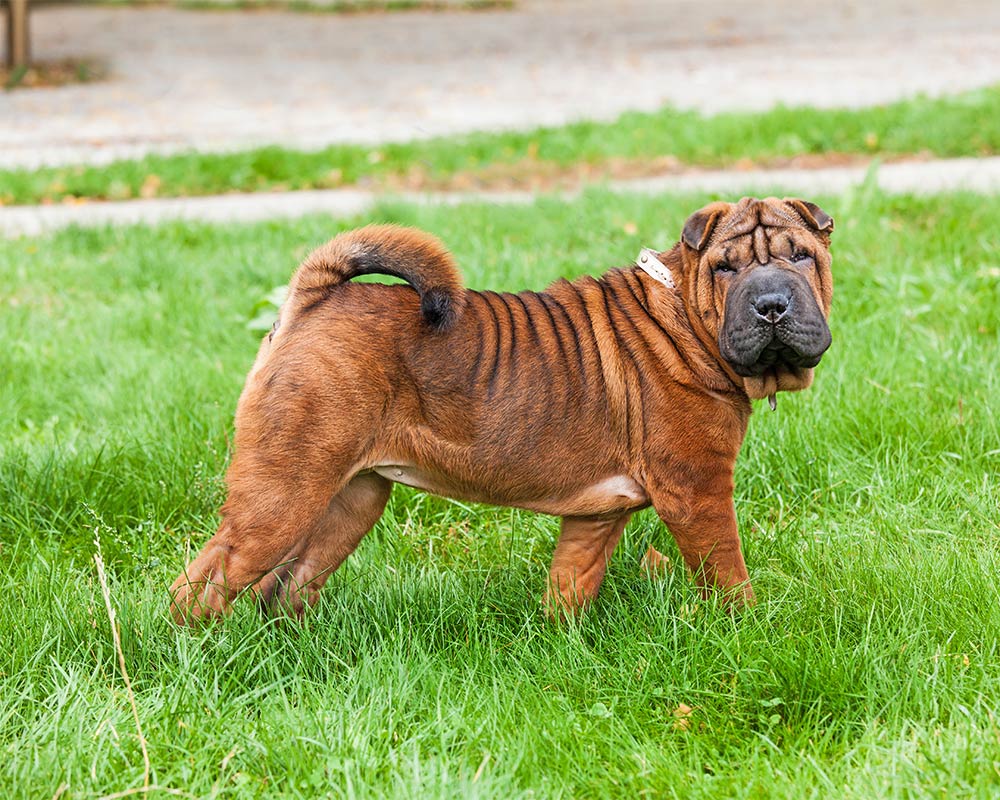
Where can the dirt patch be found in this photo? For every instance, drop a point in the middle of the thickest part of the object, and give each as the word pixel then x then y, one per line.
pixel 537 176
pixel 316 6
pixel 46 74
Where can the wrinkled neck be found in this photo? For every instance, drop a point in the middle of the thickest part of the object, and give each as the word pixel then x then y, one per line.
pixel 673 314
pixel 684 303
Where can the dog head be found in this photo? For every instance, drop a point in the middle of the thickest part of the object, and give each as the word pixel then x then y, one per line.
pixel 757 274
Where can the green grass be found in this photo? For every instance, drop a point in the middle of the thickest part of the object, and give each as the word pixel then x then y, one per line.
pixel 869 507
pixel 964 125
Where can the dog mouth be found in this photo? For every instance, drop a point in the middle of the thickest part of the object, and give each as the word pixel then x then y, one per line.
pixel 774 332
pixel 775 356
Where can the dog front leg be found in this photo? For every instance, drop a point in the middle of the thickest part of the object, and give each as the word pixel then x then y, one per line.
pixel 704 526
pixel 580 561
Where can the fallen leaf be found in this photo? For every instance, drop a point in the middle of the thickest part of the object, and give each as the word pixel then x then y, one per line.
pixel 150 186
pixel 682 717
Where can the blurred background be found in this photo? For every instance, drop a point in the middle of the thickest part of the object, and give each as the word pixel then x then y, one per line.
pixel 99 82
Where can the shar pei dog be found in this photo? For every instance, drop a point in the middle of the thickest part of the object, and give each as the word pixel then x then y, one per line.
pixel 590 400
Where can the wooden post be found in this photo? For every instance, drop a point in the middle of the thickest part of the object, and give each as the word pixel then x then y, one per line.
pixel 17 33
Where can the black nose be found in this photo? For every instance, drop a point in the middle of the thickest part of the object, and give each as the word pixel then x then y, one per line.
pixel 771 307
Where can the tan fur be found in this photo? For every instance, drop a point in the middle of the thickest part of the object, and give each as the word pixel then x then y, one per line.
pixel 590 400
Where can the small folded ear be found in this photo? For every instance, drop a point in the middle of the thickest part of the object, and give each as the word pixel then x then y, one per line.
pixel 699 226
pixel 811 213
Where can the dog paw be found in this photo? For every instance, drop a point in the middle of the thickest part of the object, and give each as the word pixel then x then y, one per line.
pixel 735 598
pixel 560 607
pixel 204 590
pixel 278 593
pixel 741 597
pixel 197 601
pixel 654 564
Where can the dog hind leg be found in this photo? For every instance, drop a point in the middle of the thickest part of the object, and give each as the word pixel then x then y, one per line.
pixel 580 561
pixel 301 573
pixel 274 503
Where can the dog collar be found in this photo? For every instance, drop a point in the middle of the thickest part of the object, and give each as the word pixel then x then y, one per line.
pixel 652 266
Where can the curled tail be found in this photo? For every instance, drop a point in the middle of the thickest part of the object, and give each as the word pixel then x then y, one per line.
pixel 417 257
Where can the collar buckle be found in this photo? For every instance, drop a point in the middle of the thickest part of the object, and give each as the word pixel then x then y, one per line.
pixel 652 266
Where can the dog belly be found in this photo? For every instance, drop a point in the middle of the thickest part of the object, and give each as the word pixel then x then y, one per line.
pixel 612 494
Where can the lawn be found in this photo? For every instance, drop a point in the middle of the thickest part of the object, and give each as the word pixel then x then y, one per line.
pixel 635 144
pixel 870 509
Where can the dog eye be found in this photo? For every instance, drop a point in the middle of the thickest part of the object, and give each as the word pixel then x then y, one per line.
pixel 723 267
pixel 799 256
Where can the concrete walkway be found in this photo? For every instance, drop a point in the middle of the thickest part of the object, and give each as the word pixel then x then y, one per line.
pixel 965 174
pixel 213 80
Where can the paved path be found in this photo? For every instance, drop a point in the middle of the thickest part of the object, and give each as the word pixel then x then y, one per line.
pixel 221 80
pixel 979 175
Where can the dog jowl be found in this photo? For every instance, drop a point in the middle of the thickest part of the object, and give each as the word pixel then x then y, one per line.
pixel 589 401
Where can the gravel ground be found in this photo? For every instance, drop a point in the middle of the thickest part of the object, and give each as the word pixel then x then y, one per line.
pixel 223 79
pixel 969 174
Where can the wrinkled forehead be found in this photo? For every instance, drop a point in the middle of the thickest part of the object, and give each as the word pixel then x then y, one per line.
pixel 749 214
pixel 752 223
